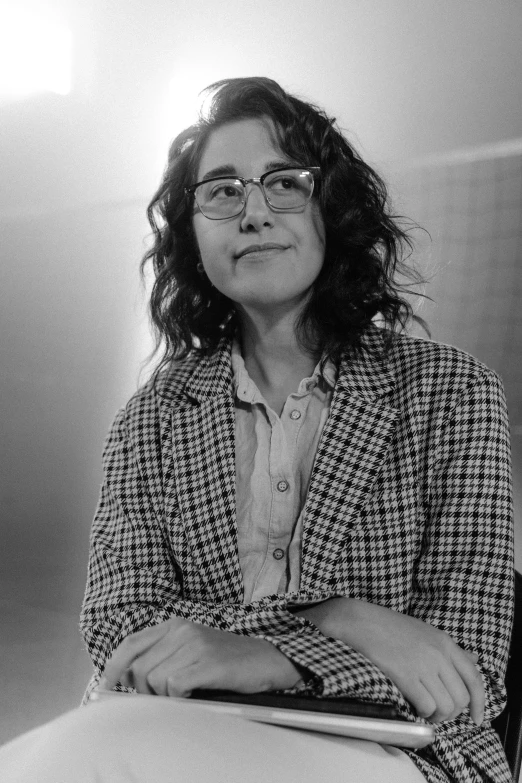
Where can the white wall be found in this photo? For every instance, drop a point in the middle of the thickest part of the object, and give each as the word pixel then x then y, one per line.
pixel 71 330
pixel 407 78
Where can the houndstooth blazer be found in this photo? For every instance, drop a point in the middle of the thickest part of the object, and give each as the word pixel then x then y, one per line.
pixel 409 507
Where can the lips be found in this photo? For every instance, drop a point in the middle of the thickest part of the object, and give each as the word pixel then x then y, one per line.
pixel 260 248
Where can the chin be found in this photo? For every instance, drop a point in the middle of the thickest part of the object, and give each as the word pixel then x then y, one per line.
pixel 276 301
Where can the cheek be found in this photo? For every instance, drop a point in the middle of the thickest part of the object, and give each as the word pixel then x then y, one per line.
pixel 318 229
pixel 212 249
pixel 213 252
pixel 202 237
pixel 316 243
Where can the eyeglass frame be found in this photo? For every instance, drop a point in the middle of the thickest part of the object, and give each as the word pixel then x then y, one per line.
pixel 315 171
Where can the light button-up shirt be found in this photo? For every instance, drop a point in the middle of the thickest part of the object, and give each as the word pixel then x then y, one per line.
pixel 274 461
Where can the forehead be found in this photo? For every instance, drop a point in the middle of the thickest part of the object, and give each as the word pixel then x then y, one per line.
pixel 247 147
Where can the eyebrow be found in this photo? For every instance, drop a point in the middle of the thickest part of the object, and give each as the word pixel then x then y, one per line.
pixel 229 170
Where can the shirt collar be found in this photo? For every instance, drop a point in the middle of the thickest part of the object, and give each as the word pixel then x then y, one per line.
pixel 244 386
pixel 247 391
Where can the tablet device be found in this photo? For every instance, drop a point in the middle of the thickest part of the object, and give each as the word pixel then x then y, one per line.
pixel 386 731
pixel 341 705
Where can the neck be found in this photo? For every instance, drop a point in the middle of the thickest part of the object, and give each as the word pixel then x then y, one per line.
pixel 272 353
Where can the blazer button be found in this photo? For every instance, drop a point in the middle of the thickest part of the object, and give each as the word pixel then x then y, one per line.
pixel 282 486
pixel 295 414
pixel 278 554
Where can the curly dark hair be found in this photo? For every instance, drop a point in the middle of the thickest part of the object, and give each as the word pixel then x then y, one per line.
pixel 365 243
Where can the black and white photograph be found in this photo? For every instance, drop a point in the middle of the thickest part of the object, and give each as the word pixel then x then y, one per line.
pixel 261 391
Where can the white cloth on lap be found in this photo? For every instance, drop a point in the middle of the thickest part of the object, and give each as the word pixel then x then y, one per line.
pixel 150 740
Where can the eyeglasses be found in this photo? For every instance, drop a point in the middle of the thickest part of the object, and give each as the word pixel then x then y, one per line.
pixel 219 198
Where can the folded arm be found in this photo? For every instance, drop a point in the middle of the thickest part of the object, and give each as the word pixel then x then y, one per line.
pixel 450 650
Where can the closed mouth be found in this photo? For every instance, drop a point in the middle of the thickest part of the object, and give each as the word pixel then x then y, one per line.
pixel 260 248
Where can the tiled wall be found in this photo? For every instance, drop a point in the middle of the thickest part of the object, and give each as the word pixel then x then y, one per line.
pixel 472 257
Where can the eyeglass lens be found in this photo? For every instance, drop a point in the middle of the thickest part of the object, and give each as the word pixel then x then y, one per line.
pixel 225 197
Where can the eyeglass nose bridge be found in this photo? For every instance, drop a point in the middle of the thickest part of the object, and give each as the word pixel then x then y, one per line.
pixel 254 181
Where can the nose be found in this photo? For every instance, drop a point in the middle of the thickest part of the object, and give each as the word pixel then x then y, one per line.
pixel 256 212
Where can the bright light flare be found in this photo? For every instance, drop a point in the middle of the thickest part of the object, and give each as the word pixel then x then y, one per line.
pixel 181 106
pixel 35 55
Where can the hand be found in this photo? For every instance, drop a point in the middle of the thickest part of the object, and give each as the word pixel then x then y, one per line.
pixel 176 656
pixel 437 676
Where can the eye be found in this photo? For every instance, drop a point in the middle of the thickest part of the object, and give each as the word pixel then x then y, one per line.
pixel 283 182
pixel 288 186
pixel 221 191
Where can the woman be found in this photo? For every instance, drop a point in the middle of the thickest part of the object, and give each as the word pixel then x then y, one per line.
pixel 301 500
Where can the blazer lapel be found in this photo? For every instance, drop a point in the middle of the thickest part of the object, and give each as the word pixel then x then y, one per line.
pixel 203 452
pixel 352 448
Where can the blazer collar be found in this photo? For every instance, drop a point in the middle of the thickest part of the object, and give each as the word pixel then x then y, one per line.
pixel 349 458
pixel 367 374
pixel 197 378
pixel 213 375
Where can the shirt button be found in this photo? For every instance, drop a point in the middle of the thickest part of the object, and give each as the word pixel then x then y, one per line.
pixel 295 415
pixel 282 486
pixel 278 554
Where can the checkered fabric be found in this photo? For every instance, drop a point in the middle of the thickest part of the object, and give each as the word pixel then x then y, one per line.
pixel 409 507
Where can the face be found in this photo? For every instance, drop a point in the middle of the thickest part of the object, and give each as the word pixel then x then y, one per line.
pixel 266 279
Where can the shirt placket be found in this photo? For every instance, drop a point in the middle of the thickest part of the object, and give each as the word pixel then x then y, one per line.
pixel 284 492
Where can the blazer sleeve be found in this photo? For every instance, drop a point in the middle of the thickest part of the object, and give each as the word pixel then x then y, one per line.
pixel 132 580
pixel 463 579
pixel 465 575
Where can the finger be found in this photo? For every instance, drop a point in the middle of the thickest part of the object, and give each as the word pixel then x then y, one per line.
pixel 420 698
pixel 440 695
pixel 195 664
pixel 458 691
pixel 189 675
pixel 472 678
pixel 131 647
pixel 126 679
pixel 179 674
pixel 176 688
pixel 145 668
